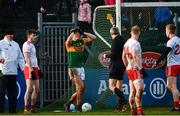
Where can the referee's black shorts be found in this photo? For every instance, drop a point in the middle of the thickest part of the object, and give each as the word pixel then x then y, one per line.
pixel 116 71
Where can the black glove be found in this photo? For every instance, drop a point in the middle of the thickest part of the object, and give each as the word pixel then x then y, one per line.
pixel 40 73
pixel 81 32
pixel 33 75
pixel 144 73
pixel 77 29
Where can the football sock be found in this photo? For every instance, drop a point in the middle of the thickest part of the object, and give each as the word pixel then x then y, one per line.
pixel 133 111
pixel 176 104
pixel 119 93
pixel 139 110
pixel 26 107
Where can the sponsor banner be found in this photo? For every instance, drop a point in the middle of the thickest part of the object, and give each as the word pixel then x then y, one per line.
pixel 155 91
pixel 105 62
pixel 148 59
pixel 21 88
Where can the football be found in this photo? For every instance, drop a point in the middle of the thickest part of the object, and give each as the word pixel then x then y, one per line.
pixel 86 107
pixel 72 108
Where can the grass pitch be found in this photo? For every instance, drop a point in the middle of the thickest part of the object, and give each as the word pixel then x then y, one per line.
pixel 149 110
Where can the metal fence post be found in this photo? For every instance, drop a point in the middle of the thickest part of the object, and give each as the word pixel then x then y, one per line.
pixel 74 19
pixel 40 24
pixel 176 22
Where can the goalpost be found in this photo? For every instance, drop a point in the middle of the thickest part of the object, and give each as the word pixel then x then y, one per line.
pixel 119 5
pixel 101 26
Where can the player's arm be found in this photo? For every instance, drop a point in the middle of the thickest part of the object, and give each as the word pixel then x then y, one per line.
pixel 136 59
pixel 124 58
pixel 164 54
pixel 69 39
pixel 90 37
pixel 2 60
pixel 27 60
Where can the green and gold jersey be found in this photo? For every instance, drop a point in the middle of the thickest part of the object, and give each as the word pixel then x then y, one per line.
pixel 75 52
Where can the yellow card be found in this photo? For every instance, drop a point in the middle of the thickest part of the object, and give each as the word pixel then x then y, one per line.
pixel 109 16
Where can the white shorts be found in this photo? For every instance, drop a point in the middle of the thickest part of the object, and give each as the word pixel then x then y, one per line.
pixel 76 71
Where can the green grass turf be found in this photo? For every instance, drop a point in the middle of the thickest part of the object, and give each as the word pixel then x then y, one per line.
pixel 149 110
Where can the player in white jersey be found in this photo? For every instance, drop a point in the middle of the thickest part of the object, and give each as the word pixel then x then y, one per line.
pixel 173 64
pixel 133 61
pixel 31 72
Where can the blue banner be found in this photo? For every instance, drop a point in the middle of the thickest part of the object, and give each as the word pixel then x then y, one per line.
pixel 155 91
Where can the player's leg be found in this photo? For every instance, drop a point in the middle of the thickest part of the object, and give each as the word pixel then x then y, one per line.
pixel 75 76
pixel 112 84
pixel 172 73
pixel 71 100
pixel 139 86
pixel 124 103
pixel 72 72
pixel 80 90
pixel 113 88
pixel 172 86
pixel 132 98
pixel 80 87
pixel 115 82
pixel 117 91
pixel 35 94
pixel 27 95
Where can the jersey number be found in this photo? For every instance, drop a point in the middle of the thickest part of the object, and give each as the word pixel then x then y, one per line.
pixel 177 49
pixel 128 54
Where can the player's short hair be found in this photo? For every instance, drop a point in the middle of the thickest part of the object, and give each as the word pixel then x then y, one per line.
pixel 171 28
pixel 31 31
pixel 114 31
pixel 135 29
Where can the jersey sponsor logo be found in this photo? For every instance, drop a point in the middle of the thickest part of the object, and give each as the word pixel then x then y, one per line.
pixel 158 88
pixel 149 58
pixel 104 61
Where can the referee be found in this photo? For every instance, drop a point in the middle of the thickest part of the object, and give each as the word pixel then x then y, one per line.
pixel 117 68
pixel 12 56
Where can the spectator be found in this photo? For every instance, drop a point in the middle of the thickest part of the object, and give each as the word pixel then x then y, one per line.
pixel 7 14
pixel 68 4
pixel 11 52
pixel 84 15
pixel 162 16
pixel 111 2
pixel 33 7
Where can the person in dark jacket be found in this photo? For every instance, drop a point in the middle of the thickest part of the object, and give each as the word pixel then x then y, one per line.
pixel 117 68
pixel 7 14
pixel 32 8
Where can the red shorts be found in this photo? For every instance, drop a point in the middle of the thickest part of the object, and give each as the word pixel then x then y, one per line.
pixel 173 70
pixel 134 74
pixel 26 72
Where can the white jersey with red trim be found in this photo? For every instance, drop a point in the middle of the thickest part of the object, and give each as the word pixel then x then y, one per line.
pixel 130 47
pixel 173 57
pixel 30 48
